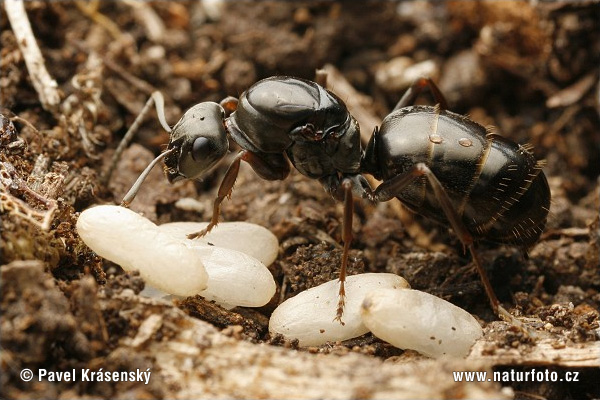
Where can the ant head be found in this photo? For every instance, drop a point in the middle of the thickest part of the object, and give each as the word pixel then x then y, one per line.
pixel 198 141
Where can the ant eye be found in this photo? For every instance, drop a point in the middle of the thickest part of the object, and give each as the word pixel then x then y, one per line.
pixel 201 149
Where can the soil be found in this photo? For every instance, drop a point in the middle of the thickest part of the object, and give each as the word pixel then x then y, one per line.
pixel 529 69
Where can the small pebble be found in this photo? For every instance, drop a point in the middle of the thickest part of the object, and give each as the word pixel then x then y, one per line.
pixel 411 319
pixel 309 316
pixel 400 72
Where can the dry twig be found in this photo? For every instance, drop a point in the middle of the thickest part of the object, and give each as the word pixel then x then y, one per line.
pixel 148 18
pixel 90 9
pixel 44 84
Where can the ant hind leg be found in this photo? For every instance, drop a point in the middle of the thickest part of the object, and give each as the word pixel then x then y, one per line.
pixel 415 90
pixel 390 187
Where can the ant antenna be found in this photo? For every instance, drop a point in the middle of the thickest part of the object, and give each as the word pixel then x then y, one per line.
pixel 156 99
pixel 160 110
pixel 138 183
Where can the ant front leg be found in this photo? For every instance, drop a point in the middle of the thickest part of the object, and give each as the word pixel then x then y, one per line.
pixel 225 190
pixel 267 166
pixel 229 105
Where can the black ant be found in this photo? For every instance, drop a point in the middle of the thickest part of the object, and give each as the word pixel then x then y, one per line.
pixel 439 164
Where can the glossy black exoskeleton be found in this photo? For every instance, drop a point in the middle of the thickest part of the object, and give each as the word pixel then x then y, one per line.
pixel 494 185
pixel 300 118
pixel 197 142
pixel 449 168
pixel 278 120
pixel 440 164
pixel 275 120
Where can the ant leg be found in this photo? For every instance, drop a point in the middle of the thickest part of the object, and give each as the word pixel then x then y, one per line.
pixel 158 101
pixel 321 77
pixel 224 191
pixel 386 191
pixel 270 167
pixel 416 88
pixel 351 185
pixel 128 198
pixel 346 238
pixel 229 104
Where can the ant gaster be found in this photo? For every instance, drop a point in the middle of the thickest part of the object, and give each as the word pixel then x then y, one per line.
pixel 439 164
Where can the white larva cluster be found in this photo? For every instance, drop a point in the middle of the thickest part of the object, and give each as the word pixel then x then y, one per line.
pixel 411 319
pixel 251 239
pixel 383 304
pixel 309 316
pixel 227 265
pixel 135 243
